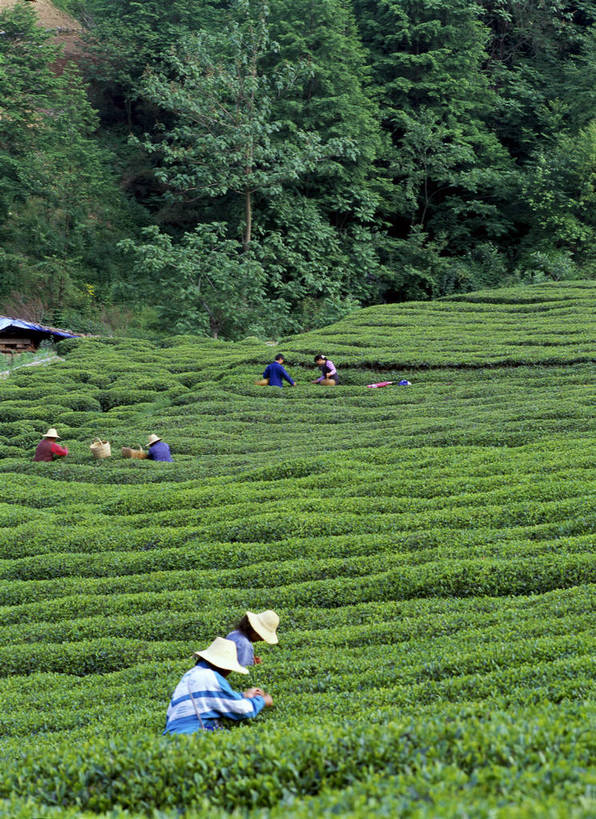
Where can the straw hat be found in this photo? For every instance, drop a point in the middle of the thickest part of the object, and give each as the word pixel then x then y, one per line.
pixel 51 433
pixel 153 439
pixel 222 654
pixel 265 624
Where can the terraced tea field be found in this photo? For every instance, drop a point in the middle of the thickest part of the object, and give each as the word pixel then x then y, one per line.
pixel 429 550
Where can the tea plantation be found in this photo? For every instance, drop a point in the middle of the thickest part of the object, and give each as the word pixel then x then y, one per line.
pixel 429 550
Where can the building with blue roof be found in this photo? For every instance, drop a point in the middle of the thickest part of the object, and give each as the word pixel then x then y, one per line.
pixel 19 336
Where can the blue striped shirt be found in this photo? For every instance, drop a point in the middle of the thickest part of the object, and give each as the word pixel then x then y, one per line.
pixel 214 698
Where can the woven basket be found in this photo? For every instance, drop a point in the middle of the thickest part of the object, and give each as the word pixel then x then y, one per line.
pixel 137 454
pixel 262 382
pixel 100 449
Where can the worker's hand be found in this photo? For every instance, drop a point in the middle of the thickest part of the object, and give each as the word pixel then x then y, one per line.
pixel 253 692
pixel 268 700
pixel 258 661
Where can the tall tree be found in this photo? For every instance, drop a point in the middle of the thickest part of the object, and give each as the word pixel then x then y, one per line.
pixel 125 37
pixel 451 174
pixel 560 191
pixel 59 201
pixel 225 138
pixel 202 284
pixel 342 195
pixel 541 63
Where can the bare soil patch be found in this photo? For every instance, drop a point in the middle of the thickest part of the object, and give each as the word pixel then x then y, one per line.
pixel 49 16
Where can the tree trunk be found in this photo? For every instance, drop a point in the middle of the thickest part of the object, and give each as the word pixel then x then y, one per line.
pixel 248 217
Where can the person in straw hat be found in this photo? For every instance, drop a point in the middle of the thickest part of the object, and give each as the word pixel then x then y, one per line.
pixel 47 449
pixel 158 449
pixel 203 696
pixel 254 628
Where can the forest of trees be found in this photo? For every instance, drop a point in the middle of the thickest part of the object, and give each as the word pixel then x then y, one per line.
pixel 241 167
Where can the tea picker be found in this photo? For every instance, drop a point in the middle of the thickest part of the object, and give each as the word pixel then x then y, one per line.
pixel 275 374
pixel 254 628
pixel 329 376
pixel 203 696
pixel 47 449
pixel 158 449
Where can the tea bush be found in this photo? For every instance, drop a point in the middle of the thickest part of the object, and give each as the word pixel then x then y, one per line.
pixel 429 550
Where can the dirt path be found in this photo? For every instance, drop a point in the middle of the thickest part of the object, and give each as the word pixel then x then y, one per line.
pixel 48 15
pixel 49 360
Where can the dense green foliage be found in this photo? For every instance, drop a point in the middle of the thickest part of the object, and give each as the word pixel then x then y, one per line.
pixel 60 207
pixel 429 549
pixel 321 155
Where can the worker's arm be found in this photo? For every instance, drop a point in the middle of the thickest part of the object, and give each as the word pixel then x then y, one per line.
pixel 237 706
pixel 286 376
pixel 59 451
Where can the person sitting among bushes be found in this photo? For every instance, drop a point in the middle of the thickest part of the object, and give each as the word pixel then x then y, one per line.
pixel 254 628
pixel 47 449
pixel 328 377
pixel 203 696
pixel 158 449
pixel 276 373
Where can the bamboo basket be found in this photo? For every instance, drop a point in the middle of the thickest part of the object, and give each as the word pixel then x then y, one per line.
pixel 137 454
pixel 100 449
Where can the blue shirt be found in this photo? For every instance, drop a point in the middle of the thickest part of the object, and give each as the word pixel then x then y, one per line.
pixel 275 372
pixel 244 648
pixel 214 697
pixel 159 451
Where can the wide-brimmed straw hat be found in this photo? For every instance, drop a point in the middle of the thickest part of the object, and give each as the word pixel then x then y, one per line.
pixel 153 439
pixel 222 654
pixel 265 624
pixel 51 433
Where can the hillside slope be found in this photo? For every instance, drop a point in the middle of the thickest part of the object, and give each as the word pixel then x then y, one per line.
pixel 50 17
pixel 428 548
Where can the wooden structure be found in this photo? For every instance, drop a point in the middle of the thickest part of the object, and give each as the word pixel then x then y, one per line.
pixel 19 336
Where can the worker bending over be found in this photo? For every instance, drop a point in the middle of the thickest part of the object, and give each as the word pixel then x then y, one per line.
pixel 47 449
pixel 328 377
pixel 276 373
pixel 158 449
pixel 203 696
pixel 254 628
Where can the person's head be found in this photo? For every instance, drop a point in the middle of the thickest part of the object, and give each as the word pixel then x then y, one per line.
pixel 245 628
pixel 320 359
pixel 259 627
pixel 280 358
pixel 222 656
pixel 51 434
pixel 153 439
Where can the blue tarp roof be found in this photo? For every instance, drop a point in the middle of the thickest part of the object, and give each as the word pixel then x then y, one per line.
pixel 7 321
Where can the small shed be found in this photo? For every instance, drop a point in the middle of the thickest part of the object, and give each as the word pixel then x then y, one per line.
pixel 19 336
